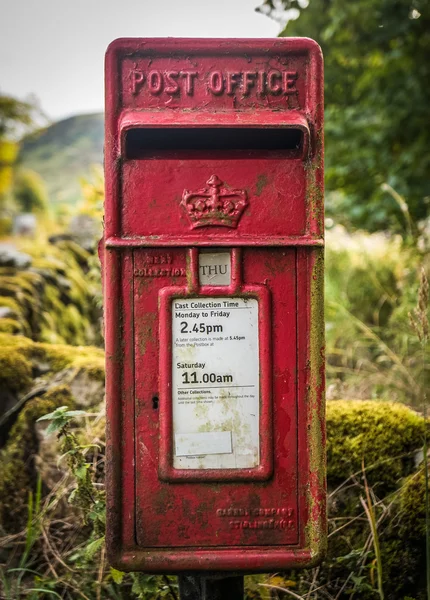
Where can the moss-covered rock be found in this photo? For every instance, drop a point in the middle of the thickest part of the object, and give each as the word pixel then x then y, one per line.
pixel 412 523
pixel 381 436
pixel 8 325
pixel 380 439
pixel 374 444
pixel 403 541
pixel 70 375
pixel 16 342
pixel 60 356
pixel 12 305
pixel 17 472
pixel 54 299
pixel 15 369
pixel 55 357
pixel 22 360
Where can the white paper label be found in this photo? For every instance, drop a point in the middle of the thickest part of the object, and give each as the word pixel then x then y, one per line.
pixel 209 442
pixel 215 383
pixel 214 268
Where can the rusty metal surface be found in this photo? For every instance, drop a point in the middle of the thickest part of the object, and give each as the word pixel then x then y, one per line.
pixel 165 200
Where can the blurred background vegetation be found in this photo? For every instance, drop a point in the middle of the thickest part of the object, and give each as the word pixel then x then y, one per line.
pixel 377 69
pixel 377 74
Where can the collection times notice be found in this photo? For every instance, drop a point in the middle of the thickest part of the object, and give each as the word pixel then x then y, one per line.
pixel 215 383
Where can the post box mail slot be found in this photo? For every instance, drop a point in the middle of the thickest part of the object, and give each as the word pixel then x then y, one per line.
pixel 212 262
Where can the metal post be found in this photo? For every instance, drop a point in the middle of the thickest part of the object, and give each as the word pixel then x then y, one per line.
pixel 192 587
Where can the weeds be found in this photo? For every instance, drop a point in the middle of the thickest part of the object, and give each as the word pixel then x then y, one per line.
pixel 370 290
pixel 371 539
pixel 12 578
pixel 68 559
pixel 369 509
pixel 89 497
pixel 420 324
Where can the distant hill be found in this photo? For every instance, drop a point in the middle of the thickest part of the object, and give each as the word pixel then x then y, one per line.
pixel 64 152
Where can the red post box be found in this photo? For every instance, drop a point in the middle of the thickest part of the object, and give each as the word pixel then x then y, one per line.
pixel 213 284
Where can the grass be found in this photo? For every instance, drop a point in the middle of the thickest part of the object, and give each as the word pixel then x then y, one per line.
pixel 420 324
pixel 372 353
pixel 12 579
pixel 371 287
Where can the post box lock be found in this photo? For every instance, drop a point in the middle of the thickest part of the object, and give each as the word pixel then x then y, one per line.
pixel 212 261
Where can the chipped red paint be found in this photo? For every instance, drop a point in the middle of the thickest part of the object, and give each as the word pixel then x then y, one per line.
pixel 166 199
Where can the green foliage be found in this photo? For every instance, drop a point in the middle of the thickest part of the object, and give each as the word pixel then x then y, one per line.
pixel 93 194
pixel 16 117
pixel 11 579
pixel 85 495
pixel 371 287
pixel 29 192
pixel 370 511
pixel 6 224
pixel 8 154
pixel 63 153
pixel 376 514
pixel 14 114
pixel 420 324
pixel 60 418
pixel 366 274
pixel 384 436
pixel 412 507
pixel 377 68
pixel 90 499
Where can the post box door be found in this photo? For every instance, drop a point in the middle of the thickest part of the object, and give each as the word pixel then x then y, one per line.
pixel 227 510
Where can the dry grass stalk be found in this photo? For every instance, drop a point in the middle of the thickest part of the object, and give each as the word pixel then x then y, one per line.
pixel 420 325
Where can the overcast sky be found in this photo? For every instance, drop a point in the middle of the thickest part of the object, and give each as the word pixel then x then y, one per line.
pixel 55 48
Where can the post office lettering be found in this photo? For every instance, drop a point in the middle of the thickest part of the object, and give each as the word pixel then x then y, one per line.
pixel 216 83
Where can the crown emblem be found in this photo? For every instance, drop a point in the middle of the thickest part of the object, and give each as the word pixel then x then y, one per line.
pixel 214 205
